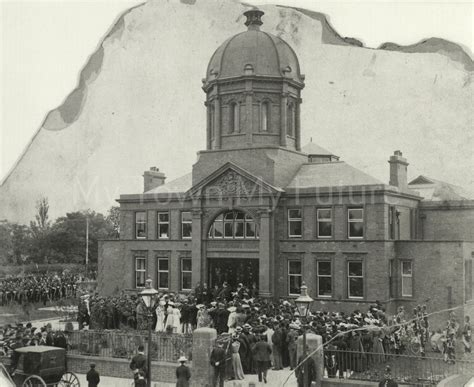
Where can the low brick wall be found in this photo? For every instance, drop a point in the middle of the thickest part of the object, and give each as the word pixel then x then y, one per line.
pixel 119 368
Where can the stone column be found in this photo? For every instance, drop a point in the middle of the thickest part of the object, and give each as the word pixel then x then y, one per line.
pixel 313 342
pixel 283 115
pixel 265 264
pixel 203 343
pixel 217 123
pixel 197 245
pixel 298 125
pixel 249 111
pixel 208 126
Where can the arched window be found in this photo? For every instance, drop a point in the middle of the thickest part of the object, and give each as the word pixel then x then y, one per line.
pixel 290 129
pixel 234 118
pixel 265 111
pixel 233 225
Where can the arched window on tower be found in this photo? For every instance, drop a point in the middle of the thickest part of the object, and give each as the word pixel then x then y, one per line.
pixel 290 128
pixel 234 117
pixel 265 116
pixel 233 225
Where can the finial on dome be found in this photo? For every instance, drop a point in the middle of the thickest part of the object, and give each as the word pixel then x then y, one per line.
pixel 254 18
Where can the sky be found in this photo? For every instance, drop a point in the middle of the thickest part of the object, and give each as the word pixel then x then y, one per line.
pixel 44 45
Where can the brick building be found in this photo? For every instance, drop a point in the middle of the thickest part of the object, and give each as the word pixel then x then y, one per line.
pixel 260 209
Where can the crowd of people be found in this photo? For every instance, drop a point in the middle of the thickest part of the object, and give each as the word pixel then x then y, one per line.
pixel 243 319
pixel 33 288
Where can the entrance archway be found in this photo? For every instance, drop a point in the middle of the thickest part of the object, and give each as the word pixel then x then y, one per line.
pixel 233 271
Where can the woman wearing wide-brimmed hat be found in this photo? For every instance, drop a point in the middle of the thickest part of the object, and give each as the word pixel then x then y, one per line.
pixel 183 374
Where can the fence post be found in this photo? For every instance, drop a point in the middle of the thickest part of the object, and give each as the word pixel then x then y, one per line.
pixel 312 342
pixel 203 343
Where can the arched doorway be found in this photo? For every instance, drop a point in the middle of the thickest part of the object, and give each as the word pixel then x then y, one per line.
pixel 233 239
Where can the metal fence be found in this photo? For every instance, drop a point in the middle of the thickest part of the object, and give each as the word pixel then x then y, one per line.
pixel 164 347
pixel 405 369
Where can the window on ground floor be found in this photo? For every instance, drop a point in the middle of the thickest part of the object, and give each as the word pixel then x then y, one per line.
pixel 324 274
pixel 355 279
pixel 407 278
pixel 163 273
pixel 186 274
pixel 294 278
pixel 140 272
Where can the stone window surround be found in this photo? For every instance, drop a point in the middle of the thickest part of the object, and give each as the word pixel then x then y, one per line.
pixel 145 223
pixel 290 220
pixel 318 220
pixel 183 222
pixel 348 277
pixel 183 272
pixel 158 223
pixel 357 220
pixel 158 271
pixel 318 261
pixel 136 258
pixel 300 275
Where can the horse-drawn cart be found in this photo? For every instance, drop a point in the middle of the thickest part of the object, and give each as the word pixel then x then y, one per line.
pixel 40 366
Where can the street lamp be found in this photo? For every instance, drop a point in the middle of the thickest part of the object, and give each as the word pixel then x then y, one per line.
pixel 303 302
pixel 148 296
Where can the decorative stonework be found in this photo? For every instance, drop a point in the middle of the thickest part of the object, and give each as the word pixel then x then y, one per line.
pixel 232 184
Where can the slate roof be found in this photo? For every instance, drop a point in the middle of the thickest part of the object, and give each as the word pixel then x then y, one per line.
pixel 436 190
pixel 313 149
pixel 179 185
pixel 335 174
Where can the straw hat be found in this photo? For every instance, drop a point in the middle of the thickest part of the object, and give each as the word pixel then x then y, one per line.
pixel 232 309
pixel 182 359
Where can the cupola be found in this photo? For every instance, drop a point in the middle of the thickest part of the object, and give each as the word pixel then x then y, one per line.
pixel 253 84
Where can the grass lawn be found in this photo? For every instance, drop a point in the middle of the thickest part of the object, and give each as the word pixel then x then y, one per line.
pixel 29 312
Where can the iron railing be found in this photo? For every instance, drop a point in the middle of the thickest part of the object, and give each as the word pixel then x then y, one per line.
pixel 164 347
pixel 405 369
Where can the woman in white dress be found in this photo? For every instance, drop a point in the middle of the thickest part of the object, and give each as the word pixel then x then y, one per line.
pixel 170 319
pixel 232 319
pixel 176 320
pixel 160 317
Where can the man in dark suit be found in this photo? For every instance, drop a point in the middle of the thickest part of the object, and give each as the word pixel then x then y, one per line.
pixel 307 366
pixel 218 357
pixel 387 380
pixel 261 355
pixel 139 363
pixel 93 377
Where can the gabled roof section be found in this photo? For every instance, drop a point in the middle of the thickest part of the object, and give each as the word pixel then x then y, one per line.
pixel 334 174
pixel 231 180
pixel 421 180
pixel 179 185
pixel 436 190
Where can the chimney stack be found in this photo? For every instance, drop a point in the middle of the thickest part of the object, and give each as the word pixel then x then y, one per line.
pixel 398 171
pixel 153 178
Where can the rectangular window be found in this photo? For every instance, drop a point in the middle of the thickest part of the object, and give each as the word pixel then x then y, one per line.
pixel 186 225
pixel 163 225
pixel 324 219
pixel 186 274
pixel 355 279
pixel 407 279
pixel 294 223
pixel 324 279
pixel 163 273
pixel 294 277
pixel 140 225
pixel 355 220
pixel 140 272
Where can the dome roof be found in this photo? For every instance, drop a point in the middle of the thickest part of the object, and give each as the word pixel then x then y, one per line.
pixel 254 52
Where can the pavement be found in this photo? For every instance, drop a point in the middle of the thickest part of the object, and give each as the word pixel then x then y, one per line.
pixel 275 379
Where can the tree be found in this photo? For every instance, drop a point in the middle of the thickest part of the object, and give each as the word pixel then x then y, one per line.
pixel 6 245
pixel 113 217
pixel 40 230
pixel 68 236
pixel 21 242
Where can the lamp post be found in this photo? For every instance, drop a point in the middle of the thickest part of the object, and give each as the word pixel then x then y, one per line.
pixel 303 302
pixel 148 296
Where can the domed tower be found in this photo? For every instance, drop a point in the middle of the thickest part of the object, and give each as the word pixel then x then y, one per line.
pixel 253 85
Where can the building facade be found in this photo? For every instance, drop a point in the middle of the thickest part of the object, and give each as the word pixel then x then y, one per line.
pixel 260 209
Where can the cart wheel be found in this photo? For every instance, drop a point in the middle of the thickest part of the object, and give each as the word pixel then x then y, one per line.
pixel 34 381
pixel 69 379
